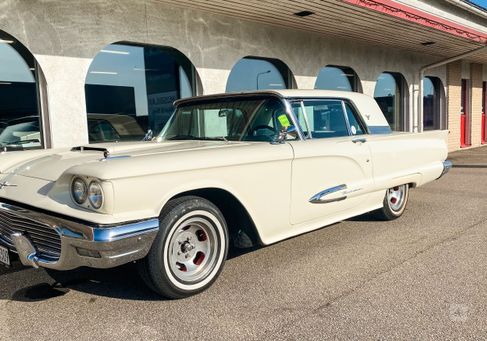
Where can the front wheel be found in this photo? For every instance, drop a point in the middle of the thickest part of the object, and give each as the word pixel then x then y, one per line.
pixel 394 203
pixel 189 251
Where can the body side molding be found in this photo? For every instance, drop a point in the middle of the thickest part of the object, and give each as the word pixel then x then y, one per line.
pixel 320 198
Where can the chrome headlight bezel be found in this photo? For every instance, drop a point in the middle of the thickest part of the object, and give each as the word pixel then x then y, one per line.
pixel 81 199
pixel 96 200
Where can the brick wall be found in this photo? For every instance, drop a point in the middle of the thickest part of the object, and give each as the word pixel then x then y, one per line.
pixel 454 97
pixel 476 114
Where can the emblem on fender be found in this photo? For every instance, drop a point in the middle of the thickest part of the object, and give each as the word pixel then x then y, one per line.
pixel 6 184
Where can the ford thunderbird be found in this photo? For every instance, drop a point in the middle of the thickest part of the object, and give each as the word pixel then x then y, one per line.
pixel 232 169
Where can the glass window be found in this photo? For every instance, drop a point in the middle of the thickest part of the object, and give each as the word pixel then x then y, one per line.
pixel 356 127
pixel 433 104
pixel 321 118
pixel 258 73
pixel 337 78
pixel 139 83
pixel 255 119
pixel 390 95
pixel 20 126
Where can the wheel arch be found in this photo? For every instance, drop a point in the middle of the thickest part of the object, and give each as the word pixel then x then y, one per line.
pixel 235 213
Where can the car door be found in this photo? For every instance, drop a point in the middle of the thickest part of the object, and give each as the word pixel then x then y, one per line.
pixel 331 170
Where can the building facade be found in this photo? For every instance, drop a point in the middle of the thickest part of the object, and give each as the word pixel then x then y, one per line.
pixel 74 72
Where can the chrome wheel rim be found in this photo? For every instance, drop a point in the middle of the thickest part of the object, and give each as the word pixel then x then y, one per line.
pixel 193 250
pixel 396 197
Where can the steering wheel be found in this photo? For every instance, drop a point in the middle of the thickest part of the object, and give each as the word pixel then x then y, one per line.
pixel 262 126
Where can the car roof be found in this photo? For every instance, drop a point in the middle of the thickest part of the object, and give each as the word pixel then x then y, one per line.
pixel 284 93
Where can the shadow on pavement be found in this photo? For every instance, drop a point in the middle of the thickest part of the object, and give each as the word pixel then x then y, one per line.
pixel 38 292
pixel 122 282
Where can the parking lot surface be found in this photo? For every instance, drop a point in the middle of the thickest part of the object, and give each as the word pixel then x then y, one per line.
pixel 422 276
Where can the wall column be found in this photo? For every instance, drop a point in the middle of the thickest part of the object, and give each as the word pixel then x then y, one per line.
pixel 65 78
pixel 454 101
pixel 476 122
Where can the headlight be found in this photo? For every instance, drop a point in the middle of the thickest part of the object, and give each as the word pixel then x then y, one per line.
pixel 79 190
pixel 95 194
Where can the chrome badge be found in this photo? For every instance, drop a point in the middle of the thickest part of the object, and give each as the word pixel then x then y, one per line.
pixel 6 184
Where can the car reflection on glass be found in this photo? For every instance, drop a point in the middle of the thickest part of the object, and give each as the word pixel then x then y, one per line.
pixel 3 125
pixel 20 134
pixel 24 133
pixel 113 127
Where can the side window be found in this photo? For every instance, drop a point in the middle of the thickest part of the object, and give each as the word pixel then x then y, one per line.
pixel 356 126
pixel 267 122
pixel 321 118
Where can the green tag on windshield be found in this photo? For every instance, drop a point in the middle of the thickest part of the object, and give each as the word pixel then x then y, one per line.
pixel 284 121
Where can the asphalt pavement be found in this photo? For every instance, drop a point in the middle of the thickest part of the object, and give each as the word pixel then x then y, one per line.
pixel 423 276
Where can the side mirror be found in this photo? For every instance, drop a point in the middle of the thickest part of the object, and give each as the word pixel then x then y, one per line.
pixel 282 137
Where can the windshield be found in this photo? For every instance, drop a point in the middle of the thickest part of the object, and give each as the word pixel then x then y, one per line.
pixel 234 119
pixel 21 135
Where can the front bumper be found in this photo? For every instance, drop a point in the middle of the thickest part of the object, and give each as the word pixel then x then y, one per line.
pixel 81 244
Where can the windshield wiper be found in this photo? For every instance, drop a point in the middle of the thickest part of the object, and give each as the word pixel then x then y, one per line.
pixel 191 137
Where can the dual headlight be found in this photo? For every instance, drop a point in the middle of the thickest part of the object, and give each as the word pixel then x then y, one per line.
pixel 83 192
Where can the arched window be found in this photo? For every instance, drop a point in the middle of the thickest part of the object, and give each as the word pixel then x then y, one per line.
pixel 254 73
pixel 433 104
pixel 130 89
pixel 20 123
pixel 391 93
pixel 333 77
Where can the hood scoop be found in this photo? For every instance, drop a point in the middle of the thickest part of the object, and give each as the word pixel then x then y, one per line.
pixel 105 151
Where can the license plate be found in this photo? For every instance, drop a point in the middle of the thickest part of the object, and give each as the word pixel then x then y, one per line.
pixel 4 256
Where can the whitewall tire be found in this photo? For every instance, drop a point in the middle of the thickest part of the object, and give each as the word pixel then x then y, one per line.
pixel 189 251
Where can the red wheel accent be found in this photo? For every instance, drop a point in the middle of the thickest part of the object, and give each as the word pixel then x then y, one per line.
pixel 181 267
pixel 201 235
pixel 200 257
pixel 393 200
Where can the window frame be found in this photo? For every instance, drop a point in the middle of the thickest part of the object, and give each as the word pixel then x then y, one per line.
pixel 344 102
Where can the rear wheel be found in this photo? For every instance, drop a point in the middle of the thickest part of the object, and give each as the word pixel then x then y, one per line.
pixel 394 203
pixel 189 251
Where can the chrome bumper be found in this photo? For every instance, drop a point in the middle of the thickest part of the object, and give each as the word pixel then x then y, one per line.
pixel 82 244
pixel 447 165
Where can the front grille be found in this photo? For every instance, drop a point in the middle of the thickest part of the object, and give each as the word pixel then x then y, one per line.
pixel 45 239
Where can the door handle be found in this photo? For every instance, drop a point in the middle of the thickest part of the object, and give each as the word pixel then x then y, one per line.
pixel 359 140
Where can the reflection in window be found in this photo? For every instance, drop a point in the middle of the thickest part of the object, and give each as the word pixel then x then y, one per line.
pixel 20 126
pixel 338 78
pixel 433 98
pixel 324 118
pixel 258 73
pixel 130 89
pixel 390 95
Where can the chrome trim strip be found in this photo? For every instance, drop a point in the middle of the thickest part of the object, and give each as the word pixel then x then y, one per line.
pixel 305 115
pixel 319 198
pixel 109 157
pixel 290 112
pixel 105 235
pixel 345 116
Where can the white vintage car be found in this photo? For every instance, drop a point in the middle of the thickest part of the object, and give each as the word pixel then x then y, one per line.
pixel 247 168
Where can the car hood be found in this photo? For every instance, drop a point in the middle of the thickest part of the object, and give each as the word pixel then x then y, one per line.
pixel 50 166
